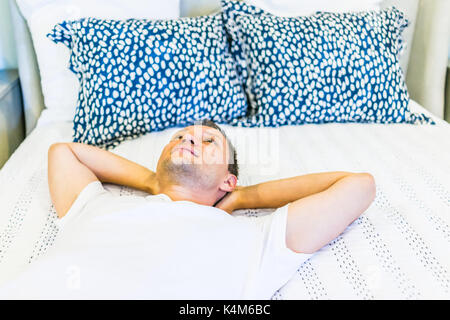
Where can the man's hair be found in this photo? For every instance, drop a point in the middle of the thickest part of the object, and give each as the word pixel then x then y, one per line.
pixel 233 167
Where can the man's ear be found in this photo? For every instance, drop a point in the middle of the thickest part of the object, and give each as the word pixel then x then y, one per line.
pixel 229 183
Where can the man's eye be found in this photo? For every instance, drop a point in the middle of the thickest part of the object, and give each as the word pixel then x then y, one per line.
pixel 209 140
pixel 177 137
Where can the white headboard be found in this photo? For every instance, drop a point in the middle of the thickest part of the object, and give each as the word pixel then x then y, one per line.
pixel 424 68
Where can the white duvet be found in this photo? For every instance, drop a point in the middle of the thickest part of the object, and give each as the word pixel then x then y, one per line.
pixel 398 249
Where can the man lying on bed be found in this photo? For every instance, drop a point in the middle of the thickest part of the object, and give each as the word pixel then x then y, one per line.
pixel 181 241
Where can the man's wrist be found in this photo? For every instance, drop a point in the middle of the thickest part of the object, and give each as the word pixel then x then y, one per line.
pixel 239 198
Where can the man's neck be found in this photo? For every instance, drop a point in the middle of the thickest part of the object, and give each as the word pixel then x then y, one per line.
pixel 180 193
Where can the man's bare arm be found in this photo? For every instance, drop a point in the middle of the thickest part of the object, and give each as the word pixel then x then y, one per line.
pixel 321 205
pixel 315 220
pixel 112 168
pixel 72 166
pixel 277 193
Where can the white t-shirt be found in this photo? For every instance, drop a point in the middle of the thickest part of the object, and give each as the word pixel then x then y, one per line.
pixel 135 247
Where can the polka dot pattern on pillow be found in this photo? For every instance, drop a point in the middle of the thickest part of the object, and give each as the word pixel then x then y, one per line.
pixel 327 67
pixel 139 76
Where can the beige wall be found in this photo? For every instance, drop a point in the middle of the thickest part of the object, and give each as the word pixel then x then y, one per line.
pixel 7 46
pixel 198 7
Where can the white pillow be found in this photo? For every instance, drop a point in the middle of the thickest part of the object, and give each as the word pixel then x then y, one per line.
pixel 307 7
pixel 59 84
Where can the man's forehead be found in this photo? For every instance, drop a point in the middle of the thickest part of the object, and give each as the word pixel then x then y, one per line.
pixel 202 129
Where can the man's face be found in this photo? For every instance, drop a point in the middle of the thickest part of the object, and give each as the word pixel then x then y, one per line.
pixel 196 155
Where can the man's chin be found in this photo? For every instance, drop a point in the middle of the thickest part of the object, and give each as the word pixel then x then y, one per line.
pixel 185 172
pixel 181 159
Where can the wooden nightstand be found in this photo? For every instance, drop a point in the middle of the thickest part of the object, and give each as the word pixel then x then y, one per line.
pixel 12 126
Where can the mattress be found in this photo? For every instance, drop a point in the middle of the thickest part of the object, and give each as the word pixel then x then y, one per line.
pixel 398 249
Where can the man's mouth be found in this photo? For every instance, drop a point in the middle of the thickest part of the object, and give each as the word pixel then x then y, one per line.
pixel 185 149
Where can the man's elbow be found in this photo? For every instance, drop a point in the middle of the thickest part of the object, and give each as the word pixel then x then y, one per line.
pixel 364 187
pixel 57 152
pixel 56 146
pixel 368 185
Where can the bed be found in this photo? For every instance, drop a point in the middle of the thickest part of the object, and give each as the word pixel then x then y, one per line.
pixel 398 249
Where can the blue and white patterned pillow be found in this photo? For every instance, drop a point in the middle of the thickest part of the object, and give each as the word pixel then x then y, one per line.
pixel 327 67
pixel 139 76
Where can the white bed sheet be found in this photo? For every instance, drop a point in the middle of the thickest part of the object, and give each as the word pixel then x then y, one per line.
pixel 398 249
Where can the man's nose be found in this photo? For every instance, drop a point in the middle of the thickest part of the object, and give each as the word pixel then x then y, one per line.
pixel 189 138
